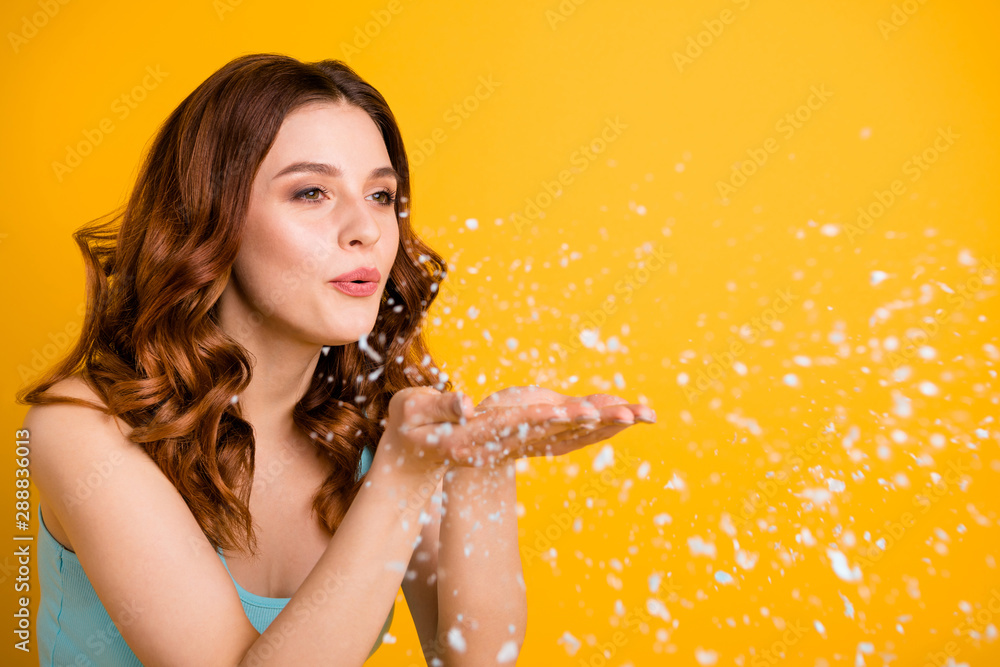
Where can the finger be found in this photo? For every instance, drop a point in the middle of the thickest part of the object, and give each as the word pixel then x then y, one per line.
pixel 519 396
pixel 578 438
pixel 626 413
pixel 493 434
pixel 546 441
pixel 433 407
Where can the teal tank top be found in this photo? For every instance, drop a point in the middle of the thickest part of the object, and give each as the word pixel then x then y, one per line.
pixel 74 629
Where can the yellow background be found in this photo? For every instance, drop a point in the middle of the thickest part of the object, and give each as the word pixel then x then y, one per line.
pixel 536 269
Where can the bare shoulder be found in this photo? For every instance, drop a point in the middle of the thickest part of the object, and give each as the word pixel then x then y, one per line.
pixel 143 551
pixel 80 417
pixel 67 436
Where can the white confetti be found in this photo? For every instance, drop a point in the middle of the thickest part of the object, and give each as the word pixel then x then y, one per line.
pixel 746 560
pixel 706 656
pixel 848 607
pixel 588 337
pixel 928 388
pixel 363 346
pixel 456 640
pixel 657 608
pixel 840 567
pixel 472 223
pixel 570 643
pixel 507 652
pixel 675 483
pixel 604 458
pixel 816 496
pixel 699 547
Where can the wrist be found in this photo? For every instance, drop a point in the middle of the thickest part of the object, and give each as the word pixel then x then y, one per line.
pixel 406 471
pixel 505 470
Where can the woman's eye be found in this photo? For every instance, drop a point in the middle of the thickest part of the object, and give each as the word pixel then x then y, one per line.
pixel 387 197
pixel 307 194
pixel 315 194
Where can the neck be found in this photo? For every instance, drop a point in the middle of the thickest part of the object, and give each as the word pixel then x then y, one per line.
pixel 282 369
pixel 280 379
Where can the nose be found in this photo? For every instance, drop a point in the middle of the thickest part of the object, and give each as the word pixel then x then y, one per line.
pixel 358 223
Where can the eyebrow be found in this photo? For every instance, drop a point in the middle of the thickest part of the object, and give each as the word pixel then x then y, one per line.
pixel 334 172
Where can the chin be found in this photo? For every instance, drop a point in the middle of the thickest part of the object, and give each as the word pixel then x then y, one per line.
pixel 345 335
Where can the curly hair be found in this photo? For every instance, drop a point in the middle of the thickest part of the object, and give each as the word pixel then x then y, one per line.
pixel 151 346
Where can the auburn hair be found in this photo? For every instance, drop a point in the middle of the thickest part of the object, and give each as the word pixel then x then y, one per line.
pixel 151 346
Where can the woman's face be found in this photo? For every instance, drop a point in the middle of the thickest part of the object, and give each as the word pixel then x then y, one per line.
pixel 321 205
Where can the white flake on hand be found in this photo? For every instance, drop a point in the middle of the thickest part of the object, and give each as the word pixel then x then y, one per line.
pixel 456 640
pixel 508 652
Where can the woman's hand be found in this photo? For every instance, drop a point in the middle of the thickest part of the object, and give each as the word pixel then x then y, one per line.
pixel 428 430
pixel 592 418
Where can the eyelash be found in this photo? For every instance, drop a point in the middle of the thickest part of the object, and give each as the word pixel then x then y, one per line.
pixel 300 195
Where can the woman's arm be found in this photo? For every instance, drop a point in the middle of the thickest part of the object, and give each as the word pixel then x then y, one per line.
pixel 164 585
pixel 420 583
pixel 482 599
pixel 340 608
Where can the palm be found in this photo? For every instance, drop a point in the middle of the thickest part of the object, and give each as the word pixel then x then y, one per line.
pixel 604 410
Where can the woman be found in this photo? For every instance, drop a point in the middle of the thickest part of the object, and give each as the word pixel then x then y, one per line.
pixel 252 347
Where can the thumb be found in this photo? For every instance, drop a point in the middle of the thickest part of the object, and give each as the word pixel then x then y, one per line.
pixel 449 406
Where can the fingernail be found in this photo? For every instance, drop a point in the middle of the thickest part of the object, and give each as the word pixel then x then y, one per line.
pixel 586 419
pixel 559 420
pixel 622 421
pixel 645 419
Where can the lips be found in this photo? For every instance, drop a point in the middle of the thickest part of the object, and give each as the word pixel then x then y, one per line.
pixel 362 274
pixel 362 281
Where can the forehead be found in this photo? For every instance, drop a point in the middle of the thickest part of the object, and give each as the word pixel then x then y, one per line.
pixel 325 131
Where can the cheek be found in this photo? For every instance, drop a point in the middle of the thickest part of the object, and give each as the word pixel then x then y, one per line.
pixel 392 243
pixel 273 262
